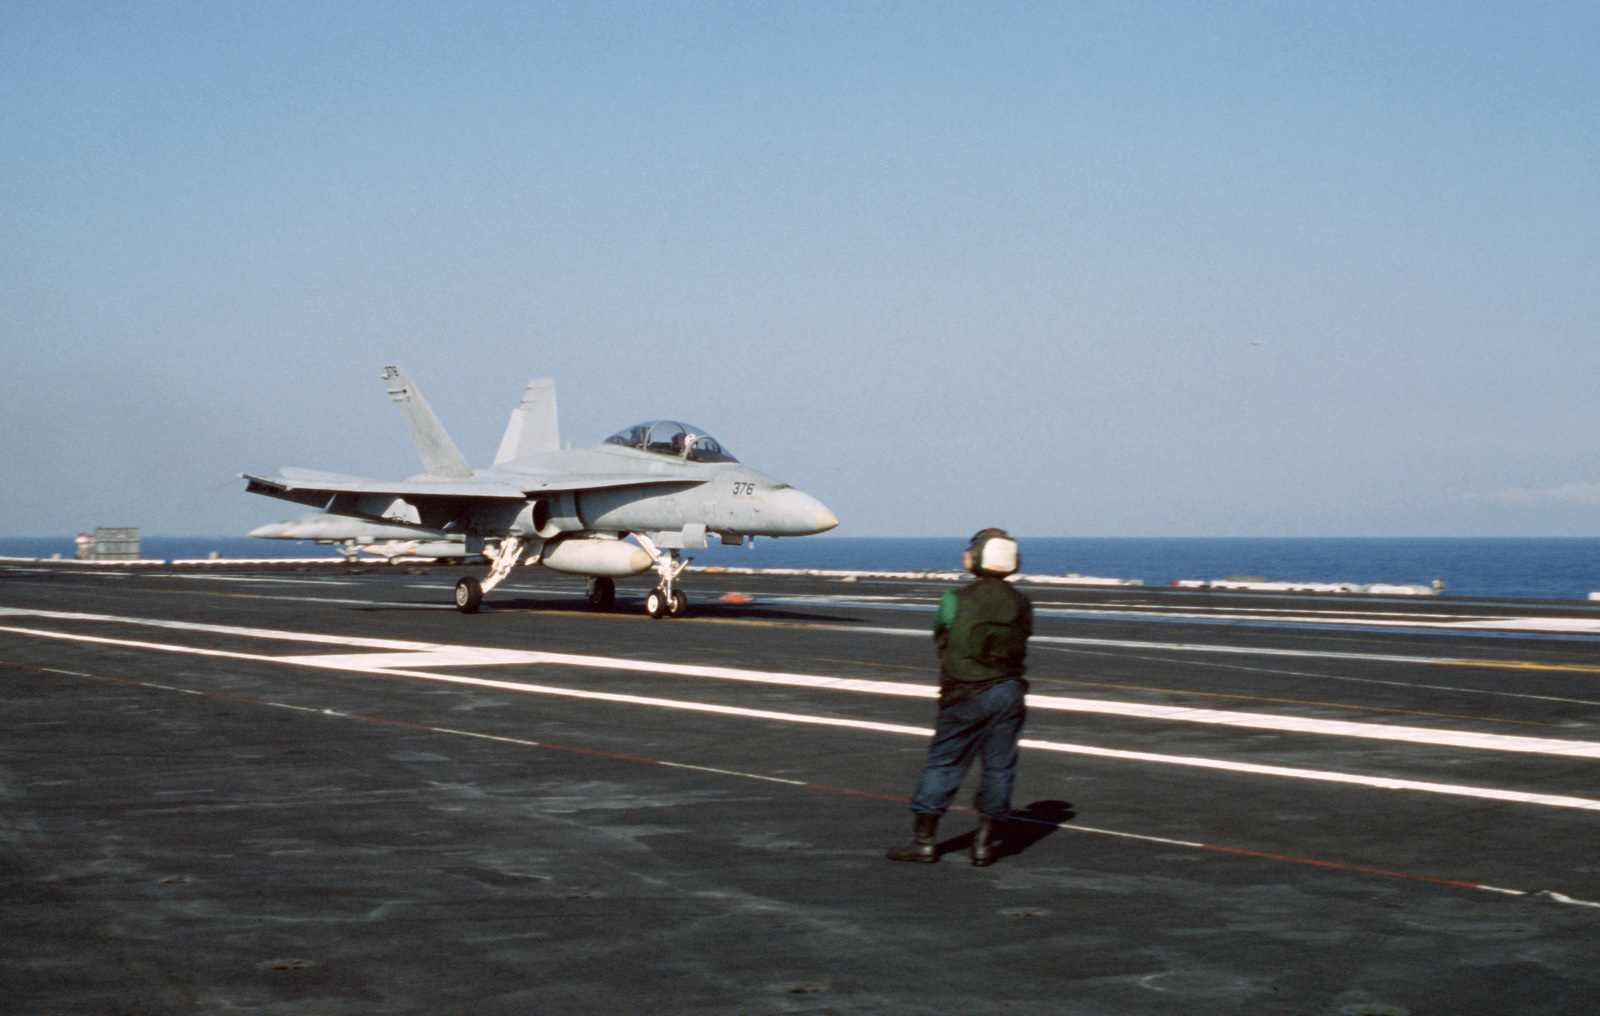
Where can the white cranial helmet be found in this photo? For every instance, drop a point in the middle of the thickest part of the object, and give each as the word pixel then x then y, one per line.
pixel 993 552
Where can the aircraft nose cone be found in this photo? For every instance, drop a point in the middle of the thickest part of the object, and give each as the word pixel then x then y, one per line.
pixel 270 531
pixel 796 513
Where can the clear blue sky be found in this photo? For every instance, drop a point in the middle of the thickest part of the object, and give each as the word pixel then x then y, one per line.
pixel 1161 269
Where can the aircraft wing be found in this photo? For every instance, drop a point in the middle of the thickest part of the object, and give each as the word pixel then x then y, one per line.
pixel 294 488
pixel 307 487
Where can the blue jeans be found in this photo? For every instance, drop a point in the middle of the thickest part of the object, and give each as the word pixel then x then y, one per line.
pixel 984 726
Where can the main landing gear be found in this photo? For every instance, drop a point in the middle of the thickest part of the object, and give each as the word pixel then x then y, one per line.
pixel 663 601
pixel 469 594
pixel 469 591
pixel 602 593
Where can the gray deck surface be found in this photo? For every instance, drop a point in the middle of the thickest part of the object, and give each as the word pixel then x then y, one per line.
pixel 216 798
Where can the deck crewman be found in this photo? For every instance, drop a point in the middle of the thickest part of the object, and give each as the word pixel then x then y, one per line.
pixel 981 631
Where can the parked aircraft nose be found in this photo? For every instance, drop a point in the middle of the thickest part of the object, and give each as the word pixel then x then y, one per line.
pixel 795 513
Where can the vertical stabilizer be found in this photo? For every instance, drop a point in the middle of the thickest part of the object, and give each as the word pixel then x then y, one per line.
pixel 532 429
pixel 439 454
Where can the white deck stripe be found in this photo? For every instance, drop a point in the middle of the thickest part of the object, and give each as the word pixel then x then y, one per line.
pixel 411 655
pixel 467 656
pixel 1564 625
pixel 333 662
pixel 1346 618
pixel 1187 647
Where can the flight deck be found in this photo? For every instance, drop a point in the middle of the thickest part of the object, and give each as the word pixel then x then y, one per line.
pixel 301 789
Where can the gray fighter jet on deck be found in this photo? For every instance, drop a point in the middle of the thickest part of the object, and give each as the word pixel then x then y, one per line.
pixel 667 485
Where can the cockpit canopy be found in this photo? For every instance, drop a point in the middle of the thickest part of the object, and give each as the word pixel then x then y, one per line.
pixel 669 437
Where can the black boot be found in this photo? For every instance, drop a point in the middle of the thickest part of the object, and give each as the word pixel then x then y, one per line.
pixel 922 847
pixel 983 843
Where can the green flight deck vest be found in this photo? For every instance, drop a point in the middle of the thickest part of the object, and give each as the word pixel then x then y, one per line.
pixel 982 632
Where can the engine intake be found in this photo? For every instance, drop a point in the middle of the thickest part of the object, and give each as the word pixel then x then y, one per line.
pixel 549 517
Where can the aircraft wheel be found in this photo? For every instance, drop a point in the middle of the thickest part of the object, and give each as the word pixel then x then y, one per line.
pixel 469 593
pixel 602 593
pixel 656 604
pixel 677 603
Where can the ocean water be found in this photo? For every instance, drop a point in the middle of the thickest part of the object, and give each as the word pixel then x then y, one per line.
pixel 1547 568
pixel 1524 568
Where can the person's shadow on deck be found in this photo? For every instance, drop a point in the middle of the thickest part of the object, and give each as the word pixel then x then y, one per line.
pixel 1023 829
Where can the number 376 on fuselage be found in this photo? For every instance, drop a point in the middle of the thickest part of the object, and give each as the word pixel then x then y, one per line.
pixel 667 485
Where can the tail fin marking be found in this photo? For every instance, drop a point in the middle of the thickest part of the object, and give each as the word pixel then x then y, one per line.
pixel 440 456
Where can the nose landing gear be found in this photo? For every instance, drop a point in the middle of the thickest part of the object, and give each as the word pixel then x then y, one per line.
pixel 664 600
pixel 662 603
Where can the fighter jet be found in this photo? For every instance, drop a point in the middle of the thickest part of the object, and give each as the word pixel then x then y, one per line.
pixel 667 485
